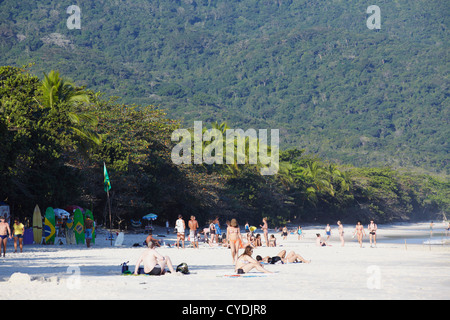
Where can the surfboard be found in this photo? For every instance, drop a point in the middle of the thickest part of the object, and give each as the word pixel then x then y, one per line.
pixel 49 226
pixel 37 225
pixel 78 228
pixel 70 235
pixel 91 216
pixel 119 240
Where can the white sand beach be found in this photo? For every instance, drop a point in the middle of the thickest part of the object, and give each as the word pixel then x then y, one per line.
pixel 392 270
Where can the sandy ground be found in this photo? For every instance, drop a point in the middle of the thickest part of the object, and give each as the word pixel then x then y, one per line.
pixel 389 271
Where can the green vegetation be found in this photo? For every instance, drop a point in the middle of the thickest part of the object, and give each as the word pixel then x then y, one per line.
pixel 310 68
pixel 55 137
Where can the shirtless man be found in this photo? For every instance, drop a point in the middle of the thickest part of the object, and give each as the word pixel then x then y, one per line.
pixel 4 232
pixel 359 231
pixel 372 233
pixel 265 228
pixel 154 263
pixel 193 226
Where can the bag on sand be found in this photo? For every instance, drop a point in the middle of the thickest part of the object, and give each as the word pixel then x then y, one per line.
pixel 183 268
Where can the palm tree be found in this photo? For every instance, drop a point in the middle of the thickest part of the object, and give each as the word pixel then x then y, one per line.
pixel 60 96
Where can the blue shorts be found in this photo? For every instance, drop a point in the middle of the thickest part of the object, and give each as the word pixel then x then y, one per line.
pixel 88 233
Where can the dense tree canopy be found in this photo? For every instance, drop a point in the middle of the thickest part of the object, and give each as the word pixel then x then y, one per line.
pixel 310 68
pixel 55 137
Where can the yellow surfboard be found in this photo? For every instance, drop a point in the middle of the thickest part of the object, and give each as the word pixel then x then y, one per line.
pixel 37 225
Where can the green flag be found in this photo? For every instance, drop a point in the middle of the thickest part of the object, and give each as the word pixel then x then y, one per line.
pixel 106 181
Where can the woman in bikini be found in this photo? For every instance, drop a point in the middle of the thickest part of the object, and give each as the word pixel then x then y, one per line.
pixel 359 231
pixel 234 238
pixel 245 262
pixel 341 232
pixel 265 229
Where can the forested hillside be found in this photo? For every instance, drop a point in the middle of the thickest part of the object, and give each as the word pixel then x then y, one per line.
pixel 310 68
pixel 56 136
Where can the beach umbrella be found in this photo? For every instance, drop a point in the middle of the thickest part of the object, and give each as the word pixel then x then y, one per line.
pixel 151 217
pixel 60 213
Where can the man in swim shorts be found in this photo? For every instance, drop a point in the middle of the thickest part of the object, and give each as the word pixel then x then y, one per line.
pixel 193 226
pixel 4 232
pixel 154 263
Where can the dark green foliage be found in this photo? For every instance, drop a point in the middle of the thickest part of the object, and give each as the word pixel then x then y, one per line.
pixel 311 68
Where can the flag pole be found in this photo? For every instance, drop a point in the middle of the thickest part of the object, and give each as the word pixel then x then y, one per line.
pixel 110 221
pixel 107 185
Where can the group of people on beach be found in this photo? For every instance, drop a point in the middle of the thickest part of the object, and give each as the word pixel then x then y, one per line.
pixel 5 233
pixel 155 263
pixel 358 232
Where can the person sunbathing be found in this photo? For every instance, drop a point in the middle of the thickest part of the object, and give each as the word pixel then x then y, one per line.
pixel 281 257
pixel 154 263
pixel 245 262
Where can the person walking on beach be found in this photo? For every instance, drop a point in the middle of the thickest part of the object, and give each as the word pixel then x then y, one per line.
pixel 265 229
pixel 372 233
pixel 193 226
pixel 18 231
pixel 180 225
pixel 234 239
pixel 154 263
pixel 359 231
pixel 5 231
pixel 328 231
pixel 245 262
pixel 341 232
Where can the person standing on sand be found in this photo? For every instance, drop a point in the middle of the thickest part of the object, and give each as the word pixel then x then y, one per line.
pixel 88 225
pixel 328 231
pixel 18 230
pixel 359 231
pixel 4 232
pixel 180 225
pixel 265 229
pixel 341 232
pixel 284 233
pixel 372 228
pixel 193 226
pixel 299 232
pixel 234 239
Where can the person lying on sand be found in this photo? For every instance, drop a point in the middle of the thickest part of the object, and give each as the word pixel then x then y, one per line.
pixel 291 257
pixel 154 263
pixel 245 262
